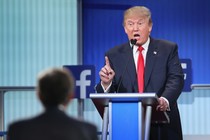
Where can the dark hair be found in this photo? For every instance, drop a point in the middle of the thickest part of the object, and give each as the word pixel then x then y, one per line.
pixel 54 86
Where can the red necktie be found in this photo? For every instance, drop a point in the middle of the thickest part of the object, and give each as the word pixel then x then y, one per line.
pixel 140 70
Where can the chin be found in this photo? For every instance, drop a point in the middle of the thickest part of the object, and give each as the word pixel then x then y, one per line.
pixel 138 43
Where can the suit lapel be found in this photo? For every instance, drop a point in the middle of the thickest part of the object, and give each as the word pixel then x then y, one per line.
pixel 150 60
pixel 131 69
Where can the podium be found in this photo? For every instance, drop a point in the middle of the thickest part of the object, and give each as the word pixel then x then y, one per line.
pixel 128 115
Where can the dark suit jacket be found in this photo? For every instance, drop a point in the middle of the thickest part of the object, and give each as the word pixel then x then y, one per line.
pixel 163 75
pixel 53 124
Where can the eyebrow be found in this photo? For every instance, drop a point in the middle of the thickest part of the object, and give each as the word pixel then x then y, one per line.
pixel 130 20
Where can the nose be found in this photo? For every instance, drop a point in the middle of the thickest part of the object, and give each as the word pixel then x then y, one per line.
pixel 136 27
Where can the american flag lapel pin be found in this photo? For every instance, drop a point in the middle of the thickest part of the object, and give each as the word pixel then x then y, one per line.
pixel 154 52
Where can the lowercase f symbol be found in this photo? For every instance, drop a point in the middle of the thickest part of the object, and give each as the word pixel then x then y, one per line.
pixel 83 83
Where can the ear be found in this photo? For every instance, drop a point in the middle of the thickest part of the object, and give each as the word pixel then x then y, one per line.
pixel 69 98
pixel 126 31
pixel 150 28
pixel 39 96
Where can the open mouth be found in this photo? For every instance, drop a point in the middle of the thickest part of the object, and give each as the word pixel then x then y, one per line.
pixel 137 36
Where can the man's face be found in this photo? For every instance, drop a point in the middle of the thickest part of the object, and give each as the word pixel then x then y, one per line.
pixel 137 28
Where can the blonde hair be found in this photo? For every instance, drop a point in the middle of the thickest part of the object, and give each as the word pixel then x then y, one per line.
pixel 139 11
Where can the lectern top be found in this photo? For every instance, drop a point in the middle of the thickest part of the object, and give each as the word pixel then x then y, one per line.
pixel 145 98
pixel 123 95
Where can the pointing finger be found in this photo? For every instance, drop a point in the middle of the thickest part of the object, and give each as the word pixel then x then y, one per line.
pixel 107 61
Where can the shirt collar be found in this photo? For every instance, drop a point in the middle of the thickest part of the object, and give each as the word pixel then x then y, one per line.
pixel 145 45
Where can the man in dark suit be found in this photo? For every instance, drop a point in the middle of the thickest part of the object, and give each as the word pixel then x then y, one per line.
pixel 162 72
pixel 55 90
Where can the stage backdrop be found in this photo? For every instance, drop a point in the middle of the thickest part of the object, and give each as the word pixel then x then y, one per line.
pixel 34 35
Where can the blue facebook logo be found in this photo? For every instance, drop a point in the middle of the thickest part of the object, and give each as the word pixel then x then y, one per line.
pixel 84 80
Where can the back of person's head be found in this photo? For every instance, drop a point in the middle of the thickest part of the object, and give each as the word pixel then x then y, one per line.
pixel 55 86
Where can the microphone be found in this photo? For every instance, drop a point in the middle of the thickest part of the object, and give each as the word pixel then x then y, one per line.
pixel 133 42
